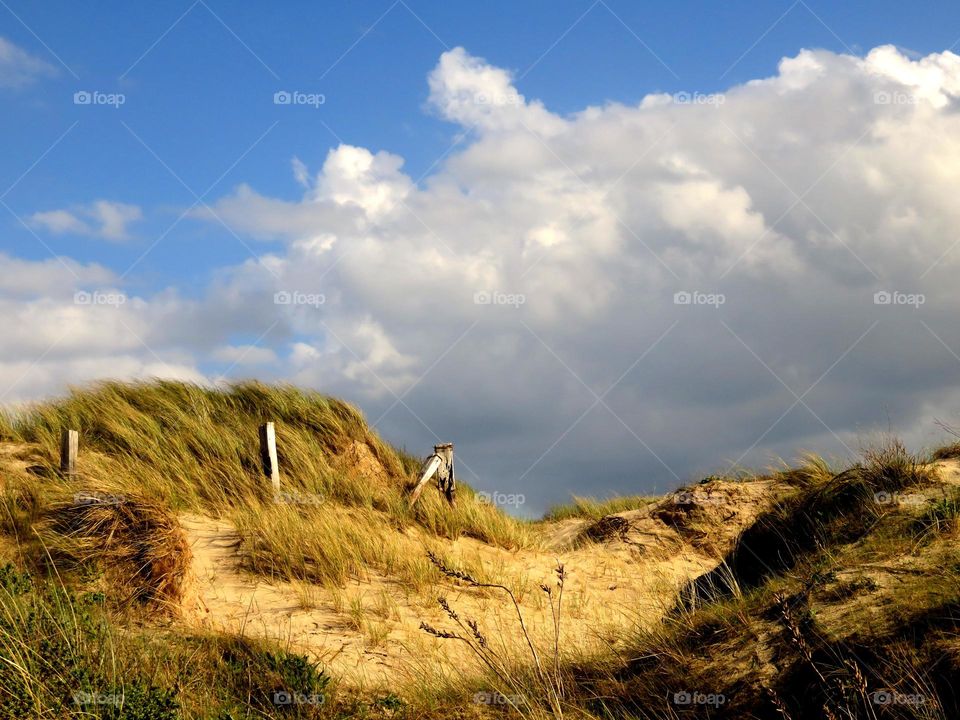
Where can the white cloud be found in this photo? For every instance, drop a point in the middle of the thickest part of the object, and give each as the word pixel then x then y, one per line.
pixel 300 173
pixel 48 278
pixel 796 197
pixel 537 266
pixel 19 68
pixel 469 91
pixel 102 218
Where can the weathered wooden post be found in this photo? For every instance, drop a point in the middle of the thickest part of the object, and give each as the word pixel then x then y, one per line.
pixel 441 465
pixel 69 446
pixel 268 454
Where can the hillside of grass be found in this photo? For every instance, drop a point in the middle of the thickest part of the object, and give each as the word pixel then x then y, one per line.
pixel 841 601
pixel 190 448
pixel 806 592
pixel 198 446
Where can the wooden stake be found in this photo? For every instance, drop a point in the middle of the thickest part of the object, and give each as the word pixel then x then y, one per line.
pixel 441 465
pixel 69 446
pixel 268 454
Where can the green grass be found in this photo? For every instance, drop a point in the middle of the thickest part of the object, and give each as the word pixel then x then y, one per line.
pixel 791 622
pixel 197 448
pixel 591 509
pixel 939 517
pixel 59 651
pixel 64 655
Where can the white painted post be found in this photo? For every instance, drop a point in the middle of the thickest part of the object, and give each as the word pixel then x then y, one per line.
pixel 69 446
pixel 268 454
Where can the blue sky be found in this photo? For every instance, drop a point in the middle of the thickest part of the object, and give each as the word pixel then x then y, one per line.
pixel 198 81
pixel 198 128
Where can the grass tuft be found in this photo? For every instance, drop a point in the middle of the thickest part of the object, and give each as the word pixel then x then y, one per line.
pixel 592 509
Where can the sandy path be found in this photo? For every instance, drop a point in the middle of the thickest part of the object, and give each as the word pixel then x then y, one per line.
pixel 224 597
pixel 368 633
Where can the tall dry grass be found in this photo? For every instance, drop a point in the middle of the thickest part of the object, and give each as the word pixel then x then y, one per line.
pixel 182 447
pixel 198 447
pixel 593 509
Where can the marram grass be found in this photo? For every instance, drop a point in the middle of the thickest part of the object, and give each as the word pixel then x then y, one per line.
pixel 184 447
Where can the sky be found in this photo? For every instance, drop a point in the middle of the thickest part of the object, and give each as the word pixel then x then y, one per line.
pixel 603 247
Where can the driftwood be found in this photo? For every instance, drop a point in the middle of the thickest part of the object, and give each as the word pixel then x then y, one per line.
pixel 440 464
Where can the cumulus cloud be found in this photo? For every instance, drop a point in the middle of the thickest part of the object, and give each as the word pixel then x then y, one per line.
pixel 19 68
pixel 55 277
pixel 538 269
pixel 103 219
pixel 471 92
pixel 620 298
pixel 65 322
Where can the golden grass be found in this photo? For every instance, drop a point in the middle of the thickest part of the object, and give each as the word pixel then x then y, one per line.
pixel 343 490
pixel 7 431
pixel 592 509
pixel 328 545
pixel 134 539
pixel 198 447
pixel 168 447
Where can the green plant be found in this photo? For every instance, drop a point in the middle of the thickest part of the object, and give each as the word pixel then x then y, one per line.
pixel 14 582
pixel 591 509
pixel 196 448
pixel 939 517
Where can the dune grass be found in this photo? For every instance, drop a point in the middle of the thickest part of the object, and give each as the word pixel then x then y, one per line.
pixel 193 448
pixel 328 545
pixel 65 656
pixel 198 448
pixel 828 607
pixel 825 510
pixel 947 452
pixel 780 629
pixel 7 431
pixel 592 509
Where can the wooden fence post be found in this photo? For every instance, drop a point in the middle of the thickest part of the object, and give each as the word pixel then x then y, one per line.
pixel 441 465
pixel 268 454
pixel 69 445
